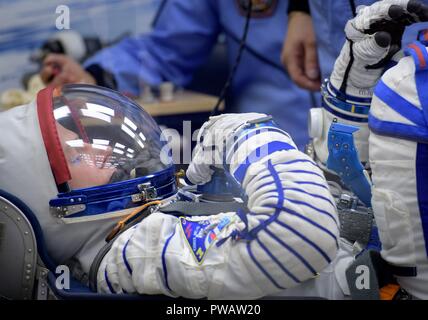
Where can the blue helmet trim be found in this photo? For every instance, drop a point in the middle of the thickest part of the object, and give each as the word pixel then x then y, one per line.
pixel 116 196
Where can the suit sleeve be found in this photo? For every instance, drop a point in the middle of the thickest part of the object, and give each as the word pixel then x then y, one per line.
pixel 289 234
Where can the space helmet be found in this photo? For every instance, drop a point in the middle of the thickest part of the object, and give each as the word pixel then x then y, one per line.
pixel 107 143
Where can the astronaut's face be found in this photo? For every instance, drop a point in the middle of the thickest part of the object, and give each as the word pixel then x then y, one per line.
pixel 87 162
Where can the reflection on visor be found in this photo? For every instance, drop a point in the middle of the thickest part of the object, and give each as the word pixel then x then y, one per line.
pixel 106 137
pixel 139 166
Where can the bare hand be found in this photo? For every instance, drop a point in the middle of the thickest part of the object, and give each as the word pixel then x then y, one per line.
pixel 299 53
pixel 59 69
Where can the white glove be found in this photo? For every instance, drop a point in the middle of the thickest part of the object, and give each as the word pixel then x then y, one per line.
pixel 212 139
pixel 373 37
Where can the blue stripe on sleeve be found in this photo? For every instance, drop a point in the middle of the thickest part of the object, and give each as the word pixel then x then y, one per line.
pixel 399 130
pixel 271 147
pixel 315 208
pixel 312 195
pixel 306 204
pixel 305 239
pixel 284 269
pixel 305 171
pixel 165 270
pixel 250 134
pixel 250 253
pixel 124 257
pixel 266 184
pixel 280 201
pixel 298 234
pixel 259 214
pixel 400 104
pixel 110 287
pixel 294 252
pixel 318 226
pixel 312 183
pixel 298 161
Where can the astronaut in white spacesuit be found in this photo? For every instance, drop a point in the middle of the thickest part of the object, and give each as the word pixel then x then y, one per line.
pixel 88 161
pixel 374 38
pixel 387 120
pixel 93 168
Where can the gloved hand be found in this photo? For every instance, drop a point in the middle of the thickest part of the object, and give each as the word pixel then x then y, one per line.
pixel 373 37
pixel 213 137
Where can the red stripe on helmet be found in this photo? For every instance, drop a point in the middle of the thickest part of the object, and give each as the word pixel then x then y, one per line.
pixel 50 136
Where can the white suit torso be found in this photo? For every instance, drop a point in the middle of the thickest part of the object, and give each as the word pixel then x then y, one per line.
pixel 396 166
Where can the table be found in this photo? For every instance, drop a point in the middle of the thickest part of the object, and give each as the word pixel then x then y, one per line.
pixel 184 102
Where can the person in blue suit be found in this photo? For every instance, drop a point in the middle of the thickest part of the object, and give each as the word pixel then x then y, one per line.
pixel 316 35
pixel 183 36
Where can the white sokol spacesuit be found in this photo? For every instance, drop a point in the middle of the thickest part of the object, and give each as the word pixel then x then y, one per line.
pixel 391 139
pixel 84 157
pixel 398 157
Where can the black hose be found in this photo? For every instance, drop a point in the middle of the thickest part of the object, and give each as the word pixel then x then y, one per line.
pixel 237 61
pixel 353 7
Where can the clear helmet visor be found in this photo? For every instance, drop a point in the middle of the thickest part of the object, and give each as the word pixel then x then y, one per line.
pixel 106 137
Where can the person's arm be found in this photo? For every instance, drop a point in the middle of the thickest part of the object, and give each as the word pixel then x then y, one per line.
pixel 182 39
pixel 299 53
pixel 289 233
